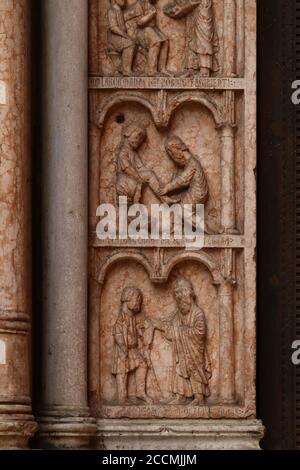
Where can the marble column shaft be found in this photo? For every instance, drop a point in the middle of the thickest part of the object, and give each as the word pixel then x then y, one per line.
pixel 16 422
pixel 64 418
pixel 227 386
pixel 229 64
pixel 228 221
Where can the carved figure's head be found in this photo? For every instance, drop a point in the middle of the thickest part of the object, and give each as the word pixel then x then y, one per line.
pixel 133 298
pixel 184 294
pixel 177 150
pixel 206 3
pixel 135 133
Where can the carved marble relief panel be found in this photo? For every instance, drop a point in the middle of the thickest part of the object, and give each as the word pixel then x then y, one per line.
pixel 172 121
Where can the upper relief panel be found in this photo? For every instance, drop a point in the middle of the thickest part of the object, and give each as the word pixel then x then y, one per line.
pixel 180 38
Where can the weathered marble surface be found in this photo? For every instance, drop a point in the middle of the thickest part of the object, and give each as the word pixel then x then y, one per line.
pixel 64 414
pixel 16 422
pixel 214 114
pixel 184 435
pixel 212 109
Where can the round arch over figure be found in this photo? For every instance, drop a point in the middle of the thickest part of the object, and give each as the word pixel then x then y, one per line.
pixel 199 257
pixel 166 269
pixel 123 256
pixel 193 97
pixel 121 98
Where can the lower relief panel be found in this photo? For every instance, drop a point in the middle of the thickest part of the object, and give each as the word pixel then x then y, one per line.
pixel 174 349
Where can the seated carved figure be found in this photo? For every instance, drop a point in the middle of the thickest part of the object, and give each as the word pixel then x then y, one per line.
pixel 142 26
pixel 120 43
pixel 132 174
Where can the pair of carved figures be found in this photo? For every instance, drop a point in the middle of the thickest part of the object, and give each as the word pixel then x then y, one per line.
pixel 133 27
pixel 185 329
pixel 188 186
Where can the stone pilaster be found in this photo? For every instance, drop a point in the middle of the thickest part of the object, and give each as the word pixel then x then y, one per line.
pixel 64 418
pixel 16 422
pixel 229 25
pixel 226 313
pixel 228 193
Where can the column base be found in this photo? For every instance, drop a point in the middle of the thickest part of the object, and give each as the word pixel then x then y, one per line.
pixel 179 434
pixel 16 430
pixel 62 428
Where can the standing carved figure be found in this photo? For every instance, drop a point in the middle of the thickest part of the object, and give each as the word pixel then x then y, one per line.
pixel 129 353
pixel 202 37
pixel 191 370
pixel 132 174
pixel 141 23
pixel 120 44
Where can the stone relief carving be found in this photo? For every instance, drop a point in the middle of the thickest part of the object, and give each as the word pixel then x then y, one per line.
pixel 121 47
pixel 201 34
pixel 141 24
pixel 191 369
pixel 133 28
pixel 157 138
pixel 132 174
pixel 132 343
pixel 188 185
pixel 190 372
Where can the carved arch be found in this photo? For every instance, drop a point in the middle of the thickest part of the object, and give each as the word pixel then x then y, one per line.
pixel 121 98
pixel 199 257
pixel 193 97
pixel 123 256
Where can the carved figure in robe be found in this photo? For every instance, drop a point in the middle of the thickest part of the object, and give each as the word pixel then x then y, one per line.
pixel 201 33
pixel 186 329
pixel 131 347
pixel 189 183
pixel 120 44
pixel 141 23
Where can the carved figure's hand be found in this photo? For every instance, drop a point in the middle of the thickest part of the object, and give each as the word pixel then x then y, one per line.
pixel 161 191
pixel 158 323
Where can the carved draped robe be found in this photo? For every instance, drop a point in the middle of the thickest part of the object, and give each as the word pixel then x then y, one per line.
pixel 191 370
pixel 127 356
pixel 202 38
pixel 190 183
pixel 116 23
pixel 148 35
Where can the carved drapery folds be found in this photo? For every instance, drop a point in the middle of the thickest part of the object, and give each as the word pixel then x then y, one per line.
pixel 168 335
